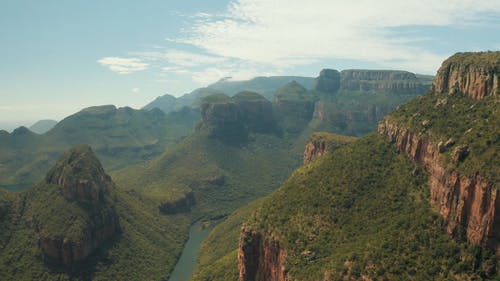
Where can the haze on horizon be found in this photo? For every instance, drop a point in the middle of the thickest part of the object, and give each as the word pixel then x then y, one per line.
pixel 60 56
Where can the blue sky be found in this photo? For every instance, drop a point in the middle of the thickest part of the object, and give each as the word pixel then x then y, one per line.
pixel 60 56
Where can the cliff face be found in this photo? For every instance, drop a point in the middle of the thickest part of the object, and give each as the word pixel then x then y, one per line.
pixel 260 259
pixel 469 205
pixel 322 142
pixel 257 111
pixel 181 205
pixel 475 75
pixel 381 80
pixel 328 81
pixel 69 251
pixel 89 219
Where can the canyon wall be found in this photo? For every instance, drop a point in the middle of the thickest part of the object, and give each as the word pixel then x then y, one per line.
pixel 260 258
pixel 478 77
pixel 469 204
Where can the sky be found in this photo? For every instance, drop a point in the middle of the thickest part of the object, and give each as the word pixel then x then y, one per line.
pixel 59 56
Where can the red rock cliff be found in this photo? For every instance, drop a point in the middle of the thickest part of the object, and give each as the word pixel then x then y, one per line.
pixel 469 205
pixel 322 142
pixel 477 75
pixel 260 258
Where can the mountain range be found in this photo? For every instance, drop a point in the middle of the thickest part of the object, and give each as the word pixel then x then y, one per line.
pixel 415 200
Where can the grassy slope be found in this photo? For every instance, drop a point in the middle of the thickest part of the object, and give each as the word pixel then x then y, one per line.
pixel 248 171
pixel 378 220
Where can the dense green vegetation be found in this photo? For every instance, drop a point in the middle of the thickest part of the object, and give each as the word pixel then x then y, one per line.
pixel 337 219
pixel 462 120
pixel 222 176
pixel 145 248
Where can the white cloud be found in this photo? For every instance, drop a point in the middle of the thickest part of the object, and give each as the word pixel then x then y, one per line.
pixel 136 90
pixel 123 65
pixel 285 33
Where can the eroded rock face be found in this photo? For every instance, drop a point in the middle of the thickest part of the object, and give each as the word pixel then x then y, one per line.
pixel 469 205
pixel 294 101
pixel 381 80
pixel 473 76
pixel 181 205
pixel 79 176
pixel 223 119
pixel 260 259
pixel 257 112
pixel 328 81
pixel 70 252
pixel 321 143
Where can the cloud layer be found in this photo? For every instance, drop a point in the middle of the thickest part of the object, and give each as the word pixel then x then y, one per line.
pixel 123 65
pixel 269 37
pixel 285 33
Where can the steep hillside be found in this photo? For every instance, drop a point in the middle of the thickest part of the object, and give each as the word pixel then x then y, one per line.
pixel 119 136
pixel 219 256
pixel 381 207
pixel 77 225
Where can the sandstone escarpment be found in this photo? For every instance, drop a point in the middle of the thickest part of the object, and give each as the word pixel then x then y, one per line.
pixel 475 74
pixel 80 216
pixel 257 112
pixel 80 176
pixel 470 205
pixel 223 119
pixel 321 143
pixel 260 258
pixel 328 81
pixel 402 82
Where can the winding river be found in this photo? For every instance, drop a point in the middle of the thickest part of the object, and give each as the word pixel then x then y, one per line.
pixel 187 262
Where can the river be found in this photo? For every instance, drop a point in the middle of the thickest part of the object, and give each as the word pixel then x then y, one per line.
pixel 187 262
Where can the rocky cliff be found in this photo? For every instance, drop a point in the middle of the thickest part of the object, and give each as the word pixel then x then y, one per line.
pixel 381 80
pixel 474 74
pixel 321 143
pixel 328 81
pixel 470 205
pixel 79 185
pixel 257 111
pixel 180 205
pixel 222 118
pixel 436 132
pixel 260 258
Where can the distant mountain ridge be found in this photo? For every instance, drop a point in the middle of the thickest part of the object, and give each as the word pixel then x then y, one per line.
pixel 43 126
pixel 120 136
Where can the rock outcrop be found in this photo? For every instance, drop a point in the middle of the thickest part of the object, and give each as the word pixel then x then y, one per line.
pixel 80 176
pixel 294 100
pixel 260 259
pixel 321 143
pixel 469 204
pixel 475 74
pixel 328 81
pixel 257 112
pixel 90 220
pixel 180 205
pixel 223 119
pixel 401 82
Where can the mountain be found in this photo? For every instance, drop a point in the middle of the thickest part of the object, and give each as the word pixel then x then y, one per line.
pixel 77 224
pixel 120 136
pixel 415 201
pixel 43 126
pixel 234 156
pixel 265 86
